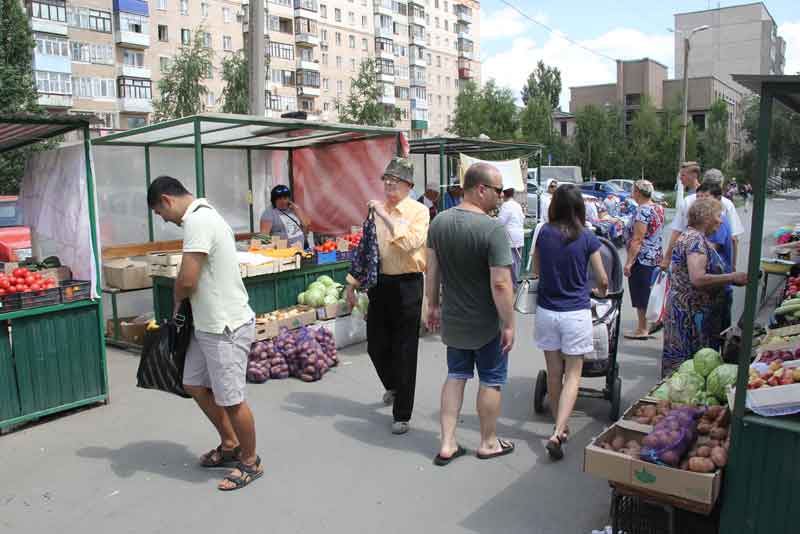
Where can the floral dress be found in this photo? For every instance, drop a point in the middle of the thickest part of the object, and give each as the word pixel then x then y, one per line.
pixel 652 215
pixel 693 318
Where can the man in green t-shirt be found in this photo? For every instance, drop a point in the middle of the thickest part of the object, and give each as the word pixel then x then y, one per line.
pixel 469 257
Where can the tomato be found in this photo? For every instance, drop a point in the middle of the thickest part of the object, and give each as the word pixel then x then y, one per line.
pixel 37 276
pixel 5 284
pixel 36 286
pixel 51 281
pixel 29 279
pixel 19 271
pixel 2 292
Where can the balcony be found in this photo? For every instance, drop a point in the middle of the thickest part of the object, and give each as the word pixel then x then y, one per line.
pixel 465 54
pixel 52 100
pixel 132 71
pixel 306 39
pixel 307 91
pixel 465 35
pixel 384 32
pixel 385 77
pixel 419 124
pixel 306 9
pixel 465 73
pixel 135 105
pixel 417 60
pixel 419 103
pixel 417 38
pixel 383 7
pixel 132 39
pixel 388 100
pixel 382 53
pixel 464 16
pixel 308 64
pixel 49 26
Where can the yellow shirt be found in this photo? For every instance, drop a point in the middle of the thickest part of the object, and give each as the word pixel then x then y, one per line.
pixel 403 251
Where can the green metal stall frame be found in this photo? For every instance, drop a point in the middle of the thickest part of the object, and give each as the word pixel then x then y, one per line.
pixel 52 358
pixel 211 131
pixel 762 481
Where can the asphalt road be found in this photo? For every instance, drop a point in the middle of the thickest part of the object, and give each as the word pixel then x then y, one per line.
pixel 332 465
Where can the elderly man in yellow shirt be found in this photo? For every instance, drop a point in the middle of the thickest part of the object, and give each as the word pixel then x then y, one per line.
pixel 395 303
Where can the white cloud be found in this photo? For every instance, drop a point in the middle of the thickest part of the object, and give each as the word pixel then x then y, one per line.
pixel 505 23
pixel 790 31
pixel 510 68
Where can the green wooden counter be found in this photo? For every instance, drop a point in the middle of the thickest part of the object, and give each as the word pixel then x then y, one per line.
pixel 762 480
pixel 268 292
pixel 51 359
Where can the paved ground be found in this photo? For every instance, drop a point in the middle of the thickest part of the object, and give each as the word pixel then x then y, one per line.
pixel 332 465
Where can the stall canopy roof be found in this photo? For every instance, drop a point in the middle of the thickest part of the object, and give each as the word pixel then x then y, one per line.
pixel 21 130
pixel 218 130
pixel 785 89
pixel 465 145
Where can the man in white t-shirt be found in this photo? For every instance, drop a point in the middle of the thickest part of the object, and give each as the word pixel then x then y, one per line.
pixel 546 198
pixel 223 330
pixel 512 217
pixel 680 223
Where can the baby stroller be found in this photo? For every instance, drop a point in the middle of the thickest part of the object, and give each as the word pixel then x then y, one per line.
pixel 607 313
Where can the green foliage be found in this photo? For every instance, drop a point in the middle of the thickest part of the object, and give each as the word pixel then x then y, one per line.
pixel 784 145
pixel 714 140
pixel 543 82
pixel 17 86
pixel 536 121
pixel 600 142
pixel 181 93
pixel 235 74
pixel 361 105
pixel 491 111
pixel 645 141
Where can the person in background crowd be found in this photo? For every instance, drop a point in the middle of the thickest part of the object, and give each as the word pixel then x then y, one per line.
pixel 224 328
pixel 563 325
pixel 285 219
pixel 454 194
pixel 395 303
pixel 546 198
pixel 697 288
pixel 643 236
pixel 690 177
pixel 591 212
pixel 431 200
pixel 469 259
pixel 513 219
pixel 612 205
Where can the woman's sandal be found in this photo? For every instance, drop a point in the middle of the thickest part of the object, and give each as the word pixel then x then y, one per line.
pixel 554 447
pixel 249 473
pixel 220 457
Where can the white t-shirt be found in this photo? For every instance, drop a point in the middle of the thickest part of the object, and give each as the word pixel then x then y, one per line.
pixel 681 221
pixel 546 198
pixel 513 219
pixel 220 299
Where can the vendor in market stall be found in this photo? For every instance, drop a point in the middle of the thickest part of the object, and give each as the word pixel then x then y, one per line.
pixel 285 219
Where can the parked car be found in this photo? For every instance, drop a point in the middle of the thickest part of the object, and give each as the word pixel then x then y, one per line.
pixel 601 190
pixel 562 173
pixel 627 186
pixel 15 239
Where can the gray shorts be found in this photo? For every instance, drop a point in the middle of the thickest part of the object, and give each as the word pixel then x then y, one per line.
pixel 219 362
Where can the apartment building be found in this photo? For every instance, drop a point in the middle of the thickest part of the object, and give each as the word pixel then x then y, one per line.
pixel 741 39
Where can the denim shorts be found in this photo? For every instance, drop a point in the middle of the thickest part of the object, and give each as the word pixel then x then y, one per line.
pixel 491 361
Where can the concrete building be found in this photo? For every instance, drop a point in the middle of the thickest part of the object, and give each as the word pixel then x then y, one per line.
pixel 564 124
pixel 107 56
pixel 741 40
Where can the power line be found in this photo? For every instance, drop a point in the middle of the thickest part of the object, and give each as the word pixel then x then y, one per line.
pixel 561 35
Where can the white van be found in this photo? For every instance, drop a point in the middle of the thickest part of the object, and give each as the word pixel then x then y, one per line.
pixel 571 174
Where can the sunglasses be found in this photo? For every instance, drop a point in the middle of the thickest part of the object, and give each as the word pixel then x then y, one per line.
pixel 498 190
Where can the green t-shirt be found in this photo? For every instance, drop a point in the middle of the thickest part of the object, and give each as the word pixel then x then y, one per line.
pixel 467 244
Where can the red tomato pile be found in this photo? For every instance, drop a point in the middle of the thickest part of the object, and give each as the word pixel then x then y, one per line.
pixel 354 239
pixel 793 287
pixel 327 246
pixel 22 280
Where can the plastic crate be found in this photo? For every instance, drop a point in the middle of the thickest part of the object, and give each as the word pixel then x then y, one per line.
pixel 72 290
pixel 9 303
pixel 635 515
pixel 345 256
pixel 326 257
pixel 35 299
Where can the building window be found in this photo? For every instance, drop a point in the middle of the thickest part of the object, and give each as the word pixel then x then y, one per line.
pixel 128 22
pixel 337 14
pixel 227 42
pixel 339 87
pixel 699 121
pixel 281 51
pixel 324 58
pixel 89 19
pixel 132 58
pixel 136 122
pixel 186 36
pixel 91 53
pixel 353 64
pixel 325 84
pixel 438 61
pixel 53 82
pixel 383 44
pixel 338 39
pixel 283 77
pixel 163 33
pixel 338 62
pixel 436 21
pixel 306 26
pixel 162 5
pixel 209 73
pixel 210 99
pixel 282 103
pixel 323 11
pixel 365 45
pixel 226 15
pixel 135 88
pixel 563 128
pixel 385 66
pixel 352 41
pixel 93 88
pixel 633 99
pixel 184 7
pixel 401 93
pixel 326 106
pixel 55 10
pixel 204 9
pixel 364 22
pixel 446 25
pixel 49 45
pixel 308 78
pixel 323 36
pixel 351 18
pixel 163 64
pixel 207 41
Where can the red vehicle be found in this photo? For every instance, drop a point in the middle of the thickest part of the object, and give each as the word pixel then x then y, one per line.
pixel 15 239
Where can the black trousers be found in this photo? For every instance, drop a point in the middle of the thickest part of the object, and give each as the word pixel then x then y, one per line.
pixel 393 318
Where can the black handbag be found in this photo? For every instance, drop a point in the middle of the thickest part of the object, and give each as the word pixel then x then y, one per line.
pixel 164 353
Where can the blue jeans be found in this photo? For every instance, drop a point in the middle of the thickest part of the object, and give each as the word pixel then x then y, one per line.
pixel 491 361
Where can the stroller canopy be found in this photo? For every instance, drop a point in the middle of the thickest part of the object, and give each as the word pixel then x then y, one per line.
pixel 612 265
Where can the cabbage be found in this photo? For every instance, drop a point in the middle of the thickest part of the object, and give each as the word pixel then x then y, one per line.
pixel 720 378
pixel 684 386
pixel 662 393
pixel 301 298
pixel 326 280
pixel 704 398
pixel 705 361
pixel 332 292
pixel 315 297
pixel 329 299
pixel 688 365
pixel 318 286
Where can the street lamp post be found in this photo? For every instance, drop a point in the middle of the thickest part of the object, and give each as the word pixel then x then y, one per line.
pixel 685 120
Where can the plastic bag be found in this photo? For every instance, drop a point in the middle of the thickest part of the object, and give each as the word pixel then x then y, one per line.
pixel 365 264
pixel 658 296
pixel 164 354
pixel 671 437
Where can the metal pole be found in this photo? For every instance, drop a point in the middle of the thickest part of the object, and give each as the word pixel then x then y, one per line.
pixel 539 188
pixel 199 171
pixel 256 51
pixel 425 170
pixel 685 120
pixel 754 262
pixel 147 177
pixel 442 182
pixel 290 166
pixel 250 188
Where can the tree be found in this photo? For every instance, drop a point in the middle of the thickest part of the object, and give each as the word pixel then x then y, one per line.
pixel 644 141
pixel 17 86
pixel 545 82
pixel 362 105
pixel 180 91
pixel 536 121
pixel 468 120
pixel 714 141
pixel 235 74
pixel 490 111
pixel 600 141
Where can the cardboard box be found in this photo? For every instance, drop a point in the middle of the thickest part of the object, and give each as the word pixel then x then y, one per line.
pixel 342 245
pixel 287 264
pixel 167 271
pixel 129 331
pixel 125 273
pixel 701 488
pixel 267 328
pixel 257 270
pixel 332 311
pixel 774 397
pixel 628 419
pixel 171 257
pixel 277 242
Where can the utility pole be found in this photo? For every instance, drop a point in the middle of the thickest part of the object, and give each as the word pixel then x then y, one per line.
pixel 256 51
pixel 685 118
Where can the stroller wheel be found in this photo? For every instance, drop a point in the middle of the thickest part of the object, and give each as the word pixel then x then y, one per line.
pixel 539 392
pixel 616 399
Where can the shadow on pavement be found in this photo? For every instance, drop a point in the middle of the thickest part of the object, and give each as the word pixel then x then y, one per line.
pixel 162 458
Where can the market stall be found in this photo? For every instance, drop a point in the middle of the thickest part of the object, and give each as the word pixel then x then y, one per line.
pixel 333 170
pixel 52 355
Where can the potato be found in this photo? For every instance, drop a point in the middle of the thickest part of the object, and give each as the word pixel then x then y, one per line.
pixel 663 407
pixel 607 446
pixel 643 420
pixel 703 440
pixel 703 428
pixel 633 444
pixel 617 443
pixel 719 433
pixel 657 419
pixel 649 411
pixel 724 418
pixel 719 456
pixel 703 451
pixel 713 443
pixel 654 440
pixel 713 412
pixel 701 465
pixel 670 458
pixel 639 412
pixel 684 464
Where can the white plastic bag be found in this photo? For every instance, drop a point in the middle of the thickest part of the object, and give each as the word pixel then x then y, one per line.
pixel 658 296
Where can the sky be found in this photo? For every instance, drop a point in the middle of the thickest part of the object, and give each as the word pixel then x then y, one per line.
pixel 511 45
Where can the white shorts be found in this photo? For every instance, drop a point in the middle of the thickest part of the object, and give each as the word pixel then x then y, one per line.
pixel 570 332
